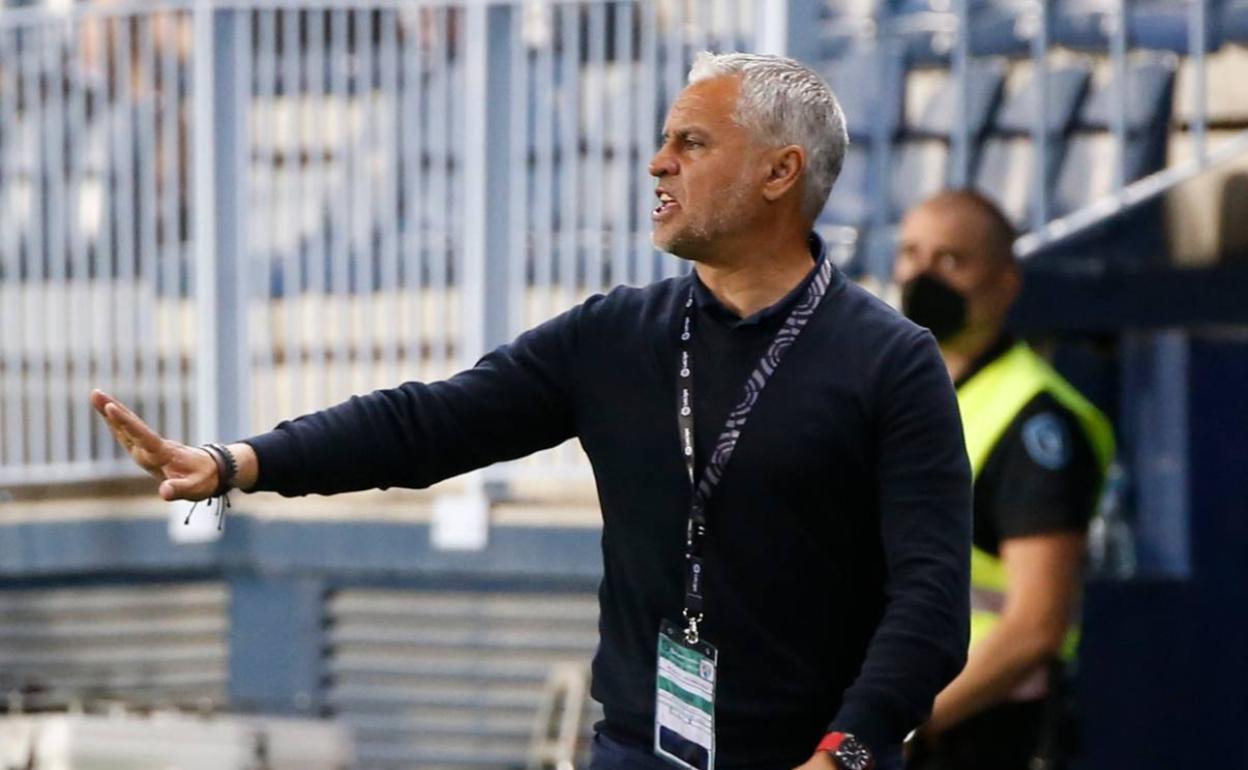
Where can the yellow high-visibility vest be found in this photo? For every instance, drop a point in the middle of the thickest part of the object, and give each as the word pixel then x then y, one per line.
pixel 990 401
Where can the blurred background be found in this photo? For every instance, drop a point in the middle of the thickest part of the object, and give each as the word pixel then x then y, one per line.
pixel 229 213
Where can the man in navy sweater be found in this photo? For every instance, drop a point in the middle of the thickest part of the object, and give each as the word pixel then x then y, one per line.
pixel 786 546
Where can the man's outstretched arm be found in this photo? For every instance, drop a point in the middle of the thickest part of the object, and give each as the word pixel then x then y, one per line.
pixel 515 401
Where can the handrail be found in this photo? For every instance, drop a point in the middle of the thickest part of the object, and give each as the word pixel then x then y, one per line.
pixel 1131 195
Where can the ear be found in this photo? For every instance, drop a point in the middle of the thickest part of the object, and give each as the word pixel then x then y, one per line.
pixel 1015 281
pixel 1011 286
pixel 785 166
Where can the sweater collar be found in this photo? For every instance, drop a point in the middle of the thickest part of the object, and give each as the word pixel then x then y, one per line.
pixel 707 302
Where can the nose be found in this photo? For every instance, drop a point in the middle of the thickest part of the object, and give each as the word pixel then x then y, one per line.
pixel 663 163
pixel 910 264
pixel 924 263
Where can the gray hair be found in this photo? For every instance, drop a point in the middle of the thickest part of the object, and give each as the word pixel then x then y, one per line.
pixel 785 102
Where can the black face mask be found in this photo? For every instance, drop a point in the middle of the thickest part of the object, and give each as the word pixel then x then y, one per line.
pixel 931 302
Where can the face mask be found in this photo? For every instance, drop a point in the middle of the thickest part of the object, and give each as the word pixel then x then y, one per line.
pixel 933 303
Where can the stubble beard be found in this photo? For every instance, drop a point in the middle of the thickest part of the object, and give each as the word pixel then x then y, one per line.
pixel 696 239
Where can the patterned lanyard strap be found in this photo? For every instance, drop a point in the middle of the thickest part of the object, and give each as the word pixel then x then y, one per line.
pixel 695 534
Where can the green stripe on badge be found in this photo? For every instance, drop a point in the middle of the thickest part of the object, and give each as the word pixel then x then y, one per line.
pixel 698 702
pixel 679 656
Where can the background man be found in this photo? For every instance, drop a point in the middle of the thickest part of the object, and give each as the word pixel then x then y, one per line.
pixel 805 510
pixel 1039 451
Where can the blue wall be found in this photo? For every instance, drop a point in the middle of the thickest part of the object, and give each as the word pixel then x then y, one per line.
pixel 1164 664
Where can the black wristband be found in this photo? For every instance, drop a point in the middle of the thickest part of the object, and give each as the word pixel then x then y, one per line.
pixel 227 467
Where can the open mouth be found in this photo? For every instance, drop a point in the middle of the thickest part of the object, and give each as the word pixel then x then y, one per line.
pixel 667 206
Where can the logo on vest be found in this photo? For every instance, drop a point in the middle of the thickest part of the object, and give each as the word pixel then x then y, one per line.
pixel 1046 441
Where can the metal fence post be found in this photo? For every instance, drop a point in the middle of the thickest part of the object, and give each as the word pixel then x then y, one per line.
pixel 220 248
pixel 1198 49
pixel 1040 133
pixel 486 221
pixel 1118 64
pixel 960 139
pixel 222 353
pixel 462 521
pixel 790 29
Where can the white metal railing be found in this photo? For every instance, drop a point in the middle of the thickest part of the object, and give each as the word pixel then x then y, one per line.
pixel 95 224
pixel 230 213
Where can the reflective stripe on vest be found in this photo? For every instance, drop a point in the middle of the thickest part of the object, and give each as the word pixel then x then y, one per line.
pixel 990 401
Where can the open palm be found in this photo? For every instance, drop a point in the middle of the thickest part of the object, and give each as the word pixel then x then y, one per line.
pixel 184 472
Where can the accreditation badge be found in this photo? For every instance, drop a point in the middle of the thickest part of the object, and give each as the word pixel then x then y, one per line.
pixel 684 712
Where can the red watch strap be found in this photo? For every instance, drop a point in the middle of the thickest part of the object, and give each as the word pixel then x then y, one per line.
pixel 831 742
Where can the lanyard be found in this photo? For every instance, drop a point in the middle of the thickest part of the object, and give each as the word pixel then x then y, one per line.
pixel 695 533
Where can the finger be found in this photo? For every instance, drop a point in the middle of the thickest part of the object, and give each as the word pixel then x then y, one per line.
pixel 100 399
pixel 134 428
pixel 117 430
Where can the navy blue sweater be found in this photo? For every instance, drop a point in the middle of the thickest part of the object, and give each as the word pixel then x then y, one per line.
pixel 836 576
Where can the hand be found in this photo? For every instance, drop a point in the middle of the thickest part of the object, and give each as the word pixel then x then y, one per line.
pixel 184 472
pixel 822 760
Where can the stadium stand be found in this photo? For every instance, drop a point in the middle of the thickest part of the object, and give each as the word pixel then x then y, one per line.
pixel 1007 167
pixel 446 677
pixel 1000 112
pixel 859 77
pixel 1234 22
pixel 354 172
pixel 1087 171
pixel 922 163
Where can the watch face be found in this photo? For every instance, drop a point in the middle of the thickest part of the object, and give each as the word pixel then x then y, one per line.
pixel 852 755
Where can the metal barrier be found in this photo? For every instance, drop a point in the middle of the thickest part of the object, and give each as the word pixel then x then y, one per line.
pixel 95 227
pixel 227 214
pixel 232 212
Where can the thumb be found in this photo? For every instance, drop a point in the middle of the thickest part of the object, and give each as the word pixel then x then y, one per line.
pixel 176 489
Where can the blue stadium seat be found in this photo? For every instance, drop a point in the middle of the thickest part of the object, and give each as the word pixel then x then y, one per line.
pixel 1164 26
pixel 1067 85
pixel 852 8
pixel 1083 24
pixel 921 159
pixel 845 22
pixel 1087 172
pixel 998 30
pixel 1151 24
pixel 985 78
pixel 877 251
pixel 868 82
pixel 920 169
pixel 853 197
pixel 929 27
pixel 1150 86
pixel 906 7
pixel 1006 165
pixel 1234 22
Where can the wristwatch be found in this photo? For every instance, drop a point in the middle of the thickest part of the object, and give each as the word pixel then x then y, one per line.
pixel 848 753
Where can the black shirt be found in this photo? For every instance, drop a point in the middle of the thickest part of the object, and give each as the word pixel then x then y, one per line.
pixel 836 583
pixel 1041 477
